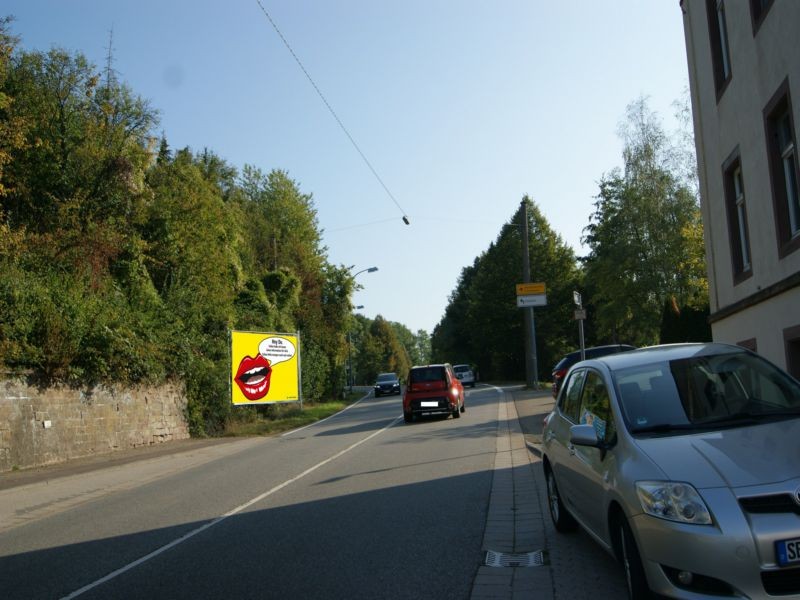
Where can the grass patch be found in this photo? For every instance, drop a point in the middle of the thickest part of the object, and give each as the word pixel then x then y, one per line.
pixel 272 419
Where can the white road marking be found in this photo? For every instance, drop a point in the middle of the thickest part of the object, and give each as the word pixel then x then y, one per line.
pixel 221 518
pixel 349 406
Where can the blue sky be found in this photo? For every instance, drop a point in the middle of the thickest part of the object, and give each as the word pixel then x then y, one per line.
pixel 462 107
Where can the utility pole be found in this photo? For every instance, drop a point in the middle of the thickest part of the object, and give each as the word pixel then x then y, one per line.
pixel 531 369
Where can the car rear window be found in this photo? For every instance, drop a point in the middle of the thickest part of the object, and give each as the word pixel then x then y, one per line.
pixel 427 374
pixel 461 368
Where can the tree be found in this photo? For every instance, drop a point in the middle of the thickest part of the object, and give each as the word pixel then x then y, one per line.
pixel 12 126
pixel 482 324
pixel 645 238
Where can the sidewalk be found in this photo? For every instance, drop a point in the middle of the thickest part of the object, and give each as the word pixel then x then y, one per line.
pixel 519 530
pixel 515 535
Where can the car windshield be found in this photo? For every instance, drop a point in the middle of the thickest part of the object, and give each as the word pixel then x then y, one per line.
pixel 427 374
pixel 387 378
pixel 702 392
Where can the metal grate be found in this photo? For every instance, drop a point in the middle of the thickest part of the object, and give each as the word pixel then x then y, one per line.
pixel 508 559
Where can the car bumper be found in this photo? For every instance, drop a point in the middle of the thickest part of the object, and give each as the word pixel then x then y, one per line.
pixel 724 559
pixel 431 406
pixel 386 391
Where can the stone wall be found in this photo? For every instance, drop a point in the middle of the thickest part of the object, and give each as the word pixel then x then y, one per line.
pixel 40 426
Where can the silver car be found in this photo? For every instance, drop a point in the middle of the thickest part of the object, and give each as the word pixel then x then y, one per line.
pixel 684 462
pixel 465 374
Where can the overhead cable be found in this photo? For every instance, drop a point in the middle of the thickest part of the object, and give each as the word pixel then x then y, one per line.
pixel 333 113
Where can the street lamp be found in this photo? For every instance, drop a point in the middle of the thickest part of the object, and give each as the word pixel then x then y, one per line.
pixel 369 270
pixel 349 337
pixel 350 354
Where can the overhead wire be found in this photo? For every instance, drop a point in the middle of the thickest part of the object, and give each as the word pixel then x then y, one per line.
pixel 333 112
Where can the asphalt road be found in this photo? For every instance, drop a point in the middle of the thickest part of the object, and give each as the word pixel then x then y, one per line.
pixel 359 506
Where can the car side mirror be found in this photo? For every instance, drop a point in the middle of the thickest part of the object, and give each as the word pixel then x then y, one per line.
pixel 584 435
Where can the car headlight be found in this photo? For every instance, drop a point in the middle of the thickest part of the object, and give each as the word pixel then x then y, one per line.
pixel 674 501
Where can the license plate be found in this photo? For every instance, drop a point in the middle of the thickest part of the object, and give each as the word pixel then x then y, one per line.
pixel 788 551
pixel 429 404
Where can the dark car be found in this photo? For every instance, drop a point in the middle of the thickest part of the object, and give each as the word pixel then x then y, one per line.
pixel 433 390
pixel 387 383
pixel 562 366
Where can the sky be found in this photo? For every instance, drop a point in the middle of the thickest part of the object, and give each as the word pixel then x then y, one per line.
pixel 461 107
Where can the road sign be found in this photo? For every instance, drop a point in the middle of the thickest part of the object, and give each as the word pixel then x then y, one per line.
pixel 576 297
pixel 580 314
pixel 532 300
pixel 530 289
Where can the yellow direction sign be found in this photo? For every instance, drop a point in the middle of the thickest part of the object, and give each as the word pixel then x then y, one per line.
pixel 530 289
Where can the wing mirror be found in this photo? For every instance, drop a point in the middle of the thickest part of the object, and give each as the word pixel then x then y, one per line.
pixel 584 435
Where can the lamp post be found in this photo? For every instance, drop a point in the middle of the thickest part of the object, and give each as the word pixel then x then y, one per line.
pixel 350 354
pixel 531 368
pixel 349 337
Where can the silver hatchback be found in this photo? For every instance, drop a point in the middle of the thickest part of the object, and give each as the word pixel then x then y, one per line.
pixel 684 462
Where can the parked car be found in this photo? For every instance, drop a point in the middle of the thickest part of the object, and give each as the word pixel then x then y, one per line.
pixel 387 383
pixel 433 390
pixel 562 366
pixel 465 374
pixel 682 460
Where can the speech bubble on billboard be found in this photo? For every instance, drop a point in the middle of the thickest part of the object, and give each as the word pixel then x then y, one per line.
pixel 276 350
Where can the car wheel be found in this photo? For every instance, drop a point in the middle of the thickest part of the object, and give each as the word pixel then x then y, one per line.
pixel 562 520
pixel 632 563
pixel 408 417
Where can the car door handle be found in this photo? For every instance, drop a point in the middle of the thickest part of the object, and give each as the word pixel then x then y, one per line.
pixel 571 449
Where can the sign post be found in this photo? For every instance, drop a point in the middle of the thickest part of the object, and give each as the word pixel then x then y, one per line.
pixel 530 295
pixel 580 315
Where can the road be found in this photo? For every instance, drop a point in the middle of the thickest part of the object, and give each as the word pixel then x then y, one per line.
pixel 358 506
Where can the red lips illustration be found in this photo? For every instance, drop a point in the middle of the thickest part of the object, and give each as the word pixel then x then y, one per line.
pixel 253 377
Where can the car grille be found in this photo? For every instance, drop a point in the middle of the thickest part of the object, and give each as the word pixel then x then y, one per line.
pixel 781 583
pixel 775 503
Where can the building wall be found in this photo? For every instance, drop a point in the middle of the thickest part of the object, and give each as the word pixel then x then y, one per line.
pixel 44 426
pixel 734 121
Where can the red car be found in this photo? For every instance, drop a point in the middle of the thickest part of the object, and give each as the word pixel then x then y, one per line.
pixel 433 390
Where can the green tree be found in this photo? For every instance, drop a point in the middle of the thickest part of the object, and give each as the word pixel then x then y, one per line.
pixel 482 324
pixel 12 126
pixel 645 238
pixel 382 351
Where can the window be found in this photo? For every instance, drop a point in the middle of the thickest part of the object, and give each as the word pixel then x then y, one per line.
pixel 758 10
pixel 718 36
pixel 737 218
pixel 791 340
pixel 570 399
pixel 596 407
pixel 782 151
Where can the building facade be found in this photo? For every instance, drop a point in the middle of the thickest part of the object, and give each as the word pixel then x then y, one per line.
pixel 744 75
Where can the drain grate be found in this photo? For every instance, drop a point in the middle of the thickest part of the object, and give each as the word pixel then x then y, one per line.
pixel 508 559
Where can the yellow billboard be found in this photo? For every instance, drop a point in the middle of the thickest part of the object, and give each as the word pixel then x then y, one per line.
pixel 265 367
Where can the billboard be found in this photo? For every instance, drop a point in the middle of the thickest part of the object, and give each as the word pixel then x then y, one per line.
pixel 265 367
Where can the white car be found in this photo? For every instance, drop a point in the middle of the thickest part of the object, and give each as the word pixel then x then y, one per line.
pixel 465 375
